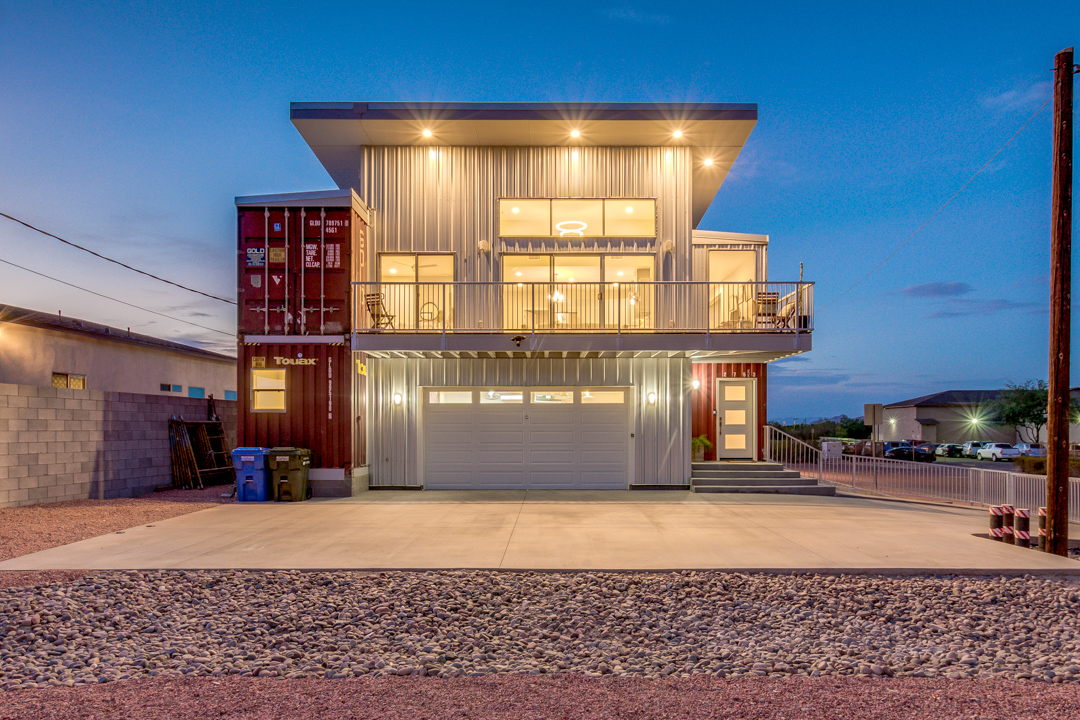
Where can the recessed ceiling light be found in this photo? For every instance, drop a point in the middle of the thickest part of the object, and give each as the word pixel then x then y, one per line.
pixel 571 279
pixel 575 133
pixel 518 273
pixel 619 273
pixel 677 133
pixel 517 210
pixel 708 161
pixel 393 271
pixel 629 209
pixel 427 133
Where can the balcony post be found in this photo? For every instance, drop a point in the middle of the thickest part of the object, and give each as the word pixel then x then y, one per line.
pixel 442 311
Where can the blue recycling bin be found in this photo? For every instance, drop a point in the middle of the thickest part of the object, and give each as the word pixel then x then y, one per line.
pixel 252 478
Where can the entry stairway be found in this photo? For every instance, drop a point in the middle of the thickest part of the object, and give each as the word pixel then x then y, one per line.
pixel 752 477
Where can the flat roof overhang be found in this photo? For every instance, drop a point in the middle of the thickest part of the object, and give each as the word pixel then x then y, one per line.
pixel 741 347
pixel 712 131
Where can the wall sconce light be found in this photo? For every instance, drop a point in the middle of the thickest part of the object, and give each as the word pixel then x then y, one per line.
pixel 695 384
pixel 484 246
pixel 651 397
pixel 667 247
pixel 397 398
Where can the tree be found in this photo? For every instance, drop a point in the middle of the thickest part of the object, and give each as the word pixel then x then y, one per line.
pixel 1023 407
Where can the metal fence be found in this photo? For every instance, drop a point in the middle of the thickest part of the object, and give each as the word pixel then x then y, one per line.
pixel 914 479
pixel 623 307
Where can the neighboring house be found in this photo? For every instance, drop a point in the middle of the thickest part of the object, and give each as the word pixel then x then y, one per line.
pixel 531 303
pixel 953 416
pixel 40 349
pixel 85 408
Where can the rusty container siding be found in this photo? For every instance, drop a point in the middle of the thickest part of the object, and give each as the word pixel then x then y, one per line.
pixel 703 404
pixel 320 380
pixel 296 268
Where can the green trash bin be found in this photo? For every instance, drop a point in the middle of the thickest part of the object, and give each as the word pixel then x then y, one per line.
pixel 289 473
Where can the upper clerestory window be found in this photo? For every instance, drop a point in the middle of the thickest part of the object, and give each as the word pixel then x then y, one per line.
pixel 577 218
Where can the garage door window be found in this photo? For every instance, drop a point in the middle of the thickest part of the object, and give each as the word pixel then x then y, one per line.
pixel 450 397
pixel 501 397
pixel 603 397
pixel 553 398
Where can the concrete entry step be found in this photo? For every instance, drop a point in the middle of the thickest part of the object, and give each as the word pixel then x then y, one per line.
pixel 825 490
pixel 736 465
pixel 747 481
pixel 749 472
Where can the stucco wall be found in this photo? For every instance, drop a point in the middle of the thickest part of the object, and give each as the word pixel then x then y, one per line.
pixel 59 444
pixel 30 355
pixel 954 425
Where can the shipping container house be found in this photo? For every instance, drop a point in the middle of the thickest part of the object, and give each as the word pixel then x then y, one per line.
pixel 531 297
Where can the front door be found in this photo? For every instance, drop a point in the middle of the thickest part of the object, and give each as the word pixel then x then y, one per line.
pixel 736 419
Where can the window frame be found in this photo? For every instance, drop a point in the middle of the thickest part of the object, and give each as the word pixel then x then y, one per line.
pixel 551 233
pixel 253 391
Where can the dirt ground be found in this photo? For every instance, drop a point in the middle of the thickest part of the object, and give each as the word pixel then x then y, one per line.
pixel 565 697
pixel 31 528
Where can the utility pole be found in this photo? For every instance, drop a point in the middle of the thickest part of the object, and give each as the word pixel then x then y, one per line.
pixel 1057 412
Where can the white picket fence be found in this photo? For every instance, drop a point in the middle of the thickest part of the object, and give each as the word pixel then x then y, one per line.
pixel 902 478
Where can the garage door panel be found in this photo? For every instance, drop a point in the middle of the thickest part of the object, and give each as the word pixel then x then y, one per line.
pixel 557 446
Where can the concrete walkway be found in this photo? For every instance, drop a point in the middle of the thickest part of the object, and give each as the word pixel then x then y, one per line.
pixel 561 530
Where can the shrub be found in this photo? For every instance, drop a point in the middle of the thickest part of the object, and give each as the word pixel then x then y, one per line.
pixel 1037 466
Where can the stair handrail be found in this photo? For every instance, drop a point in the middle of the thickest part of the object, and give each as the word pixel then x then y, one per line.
pixel 791 452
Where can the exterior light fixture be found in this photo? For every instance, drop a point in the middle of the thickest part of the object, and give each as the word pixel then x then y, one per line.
pixel 708 161
pixel 575 133
pixel 677 134
pixel 695 384
pixel 668 156
pixel 974 421
pixel 433 154
pixel 397 398
pixel 574 156
pixel 651 397
pixel 427 133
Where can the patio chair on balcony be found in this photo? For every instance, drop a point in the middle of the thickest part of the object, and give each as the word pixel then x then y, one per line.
pixel 786 308
pixel 767 305
pixel 375 307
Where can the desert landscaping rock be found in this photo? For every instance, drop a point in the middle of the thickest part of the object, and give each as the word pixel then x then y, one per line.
pixel 105 627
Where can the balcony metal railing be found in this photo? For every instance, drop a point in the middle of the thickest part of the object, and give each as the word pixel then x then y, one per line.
pixel 584 307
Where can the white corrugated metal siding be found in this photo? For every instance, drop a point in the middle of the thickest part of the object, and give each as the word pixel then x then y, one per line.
pixel 444 199
pixel 660 450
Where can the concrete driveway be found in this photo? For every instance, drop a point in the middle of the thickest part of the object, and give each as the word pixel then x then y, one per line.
pixel 561 530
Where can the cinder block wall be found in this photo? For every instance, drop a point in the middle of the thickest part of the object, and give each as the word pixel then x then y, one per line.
pixel 58 444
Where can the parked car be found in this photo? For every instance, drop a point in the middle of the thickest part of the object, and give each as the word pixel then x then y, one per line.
pixel 971 447
pixel 908 452
pixel 893 444
pixel 949 450
pixel 1032 449
pixel 928 447
pixel 997 452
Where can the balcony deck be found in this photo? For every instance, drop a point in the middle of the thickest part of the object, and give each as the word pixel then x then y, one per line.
pixel 769 320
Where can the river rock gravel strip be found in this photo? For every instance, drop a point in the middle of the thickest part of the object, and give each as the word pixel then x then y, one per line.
pixel 109 626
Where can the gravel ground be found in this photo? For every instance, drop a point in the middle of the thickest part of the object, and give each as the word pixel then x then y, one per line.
pixel 31 528
pixel 127 625
pixel 566 697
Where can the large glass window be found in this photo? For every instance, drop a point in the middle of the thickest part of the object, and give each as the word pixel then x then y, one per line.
pixel 416 291
pixel 732 298
pixel 267 390
pixel 577 217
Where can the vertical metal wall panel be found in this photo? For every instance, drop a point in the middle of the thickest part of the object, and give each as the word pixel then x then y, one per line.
pixel 661 444
pixel 704 398
pixel 318 401
pixel 445 199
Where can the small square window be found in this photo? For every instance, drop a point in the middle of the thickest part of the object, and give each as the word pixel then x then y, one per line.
pixel 267 390
pixel 165 387
pixel 77 382
pixel 59 380
pixel 230 395
pixel 177 388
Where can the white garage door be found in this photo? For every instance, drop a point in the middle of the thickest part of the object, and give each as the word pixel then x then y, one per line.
pixel 506 438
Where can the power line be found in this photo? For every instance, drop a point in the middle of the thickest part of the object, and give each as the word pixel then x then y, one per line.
pixel 117 262
pixel 122 302
pixel 936 212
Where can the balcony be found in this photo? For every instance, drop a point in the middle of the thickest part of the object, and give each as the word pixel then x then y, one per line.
pixel 732 318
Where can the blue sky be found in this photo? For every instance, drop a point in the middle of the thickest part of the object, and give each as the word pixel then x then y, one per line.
pixel 130 126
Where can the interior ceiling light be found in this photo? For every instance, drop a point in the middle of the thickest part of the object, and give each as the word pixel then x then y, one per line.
pixel 427 133
pixel 677 133
pixel 517 210
pixel 571 228
pixel 708 161
pixel 619 273
pixel 629 209
pixel 571 279
pixel 518 273
pixel 393 271
pixel 575 133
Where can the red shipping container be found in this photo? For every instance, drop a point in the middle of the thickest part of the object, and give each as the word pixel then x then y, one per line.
pixel 703 402
pixel 296 266
pixel 325 392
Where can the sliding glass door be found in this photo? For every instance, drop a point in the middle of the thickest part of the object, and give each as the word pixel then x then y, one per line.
pixel 417 289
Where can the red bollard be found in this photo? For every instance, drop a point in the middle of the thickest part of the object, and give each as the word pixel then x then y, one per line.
pixel 997 532
pixel 1042 529
pixel 1023 527
pixel 1007 523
